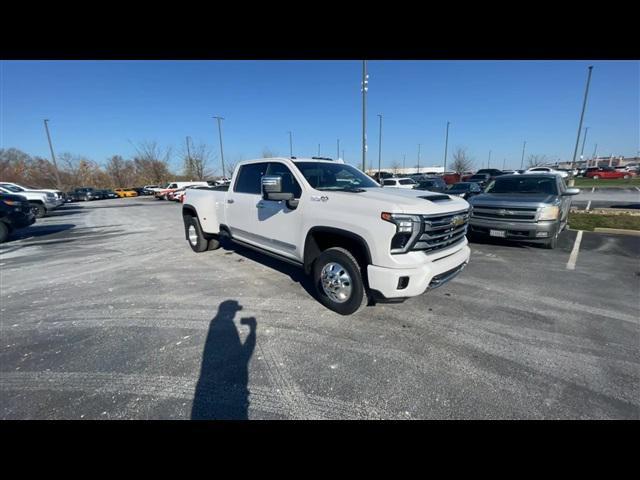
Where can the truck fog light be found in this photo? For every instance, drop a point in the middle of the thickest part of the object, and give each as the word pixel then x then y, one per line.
pixel 542 234
pixel 403 282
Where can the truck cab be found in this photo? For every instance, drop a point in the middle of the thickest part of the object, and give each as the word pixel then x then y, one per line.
pixel 356 239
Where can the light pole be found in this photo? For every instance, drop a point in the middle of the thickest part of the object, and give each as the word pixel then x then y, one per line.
pixel 380 146
pixel 446 144
pixel 489 159
pixel 53 156
pixel 584 106
pixel 221 151
pixel 290 145
pixel 338 151
pixel 365 87
pixel 404 161
pixel 584 140
pixel 522 160
pixel 318 149
pixel 418 170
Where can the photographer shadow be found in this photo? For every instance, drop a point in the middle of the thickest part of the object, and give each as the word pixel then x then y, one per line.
pixel 222 390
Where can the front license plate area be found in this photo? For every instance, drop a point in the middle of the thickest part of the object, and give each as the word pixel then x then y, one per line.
pixel 498 233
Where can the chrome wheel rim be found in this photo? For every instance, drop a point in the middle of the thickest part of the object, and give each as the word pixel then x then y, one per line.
pixel 336 282
pixel 193 235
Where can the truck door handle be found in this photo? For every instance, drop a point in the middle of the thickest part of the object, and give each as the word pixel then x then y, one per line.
pixel 260 205
pixel 229 200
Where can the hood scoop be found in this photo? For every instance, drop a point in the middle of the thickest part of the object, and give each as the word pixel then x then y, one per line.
pixel 436 198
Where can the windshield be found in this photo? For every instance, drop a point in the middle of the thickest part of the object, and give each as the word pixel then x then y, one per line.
pixel 12 188
pixel 334 176
pixel 524 184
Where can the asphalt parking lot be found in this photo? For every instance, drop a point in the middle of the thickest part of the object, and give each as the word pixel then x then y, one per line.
pixel 108 314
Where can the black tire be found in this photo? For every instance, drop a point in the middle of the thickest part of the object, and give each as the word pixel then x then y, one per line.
pixel 4 232
pixel 349 264
pixel 214 244
pixel 201 243
pixel 38 210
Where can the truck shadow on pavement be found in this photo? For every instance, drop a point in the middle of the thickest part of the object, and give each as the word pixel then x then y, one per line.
pixel 222 390
pixel 296 274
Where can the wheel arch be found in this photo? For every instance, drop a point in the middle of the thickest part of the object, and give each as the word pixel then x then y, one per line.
pixel 320 238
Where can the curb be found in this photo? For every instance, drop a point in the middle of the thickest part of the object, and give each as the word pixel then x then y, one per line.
pixel 619 231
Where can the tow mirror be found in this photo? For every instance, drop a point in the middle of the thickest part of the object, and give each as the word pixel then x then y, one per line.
pixel 272 188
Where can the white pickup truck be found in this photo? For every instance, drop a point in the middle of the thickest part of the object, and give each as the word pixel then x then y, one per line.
pixel 358 240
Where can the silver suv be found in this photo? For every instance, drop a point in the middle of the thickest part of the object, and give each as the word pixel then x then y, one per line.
pixel 531 208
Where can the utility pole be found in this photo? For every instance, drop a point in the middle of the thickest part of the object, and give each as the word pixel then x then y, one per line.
pixel 221 151
pixel 522 160
pixel 290 145
pixel 53 156
pixel 446 144
pixel 584 140
pixel 489 159
pixel 365 87
pixel 338 151
pixel 418 158
pixel 584 106
pixel 343 154
pixel 318 149
pixel 504 161
pixel 380 147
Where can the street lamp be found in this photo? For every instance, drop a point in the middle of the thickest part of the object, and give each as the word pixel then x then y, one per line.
pixel 365 88
pixel 380 147
pixel 53 156
pixel 290 145
pixel 522 160
pixel 446 144
pixel 584 106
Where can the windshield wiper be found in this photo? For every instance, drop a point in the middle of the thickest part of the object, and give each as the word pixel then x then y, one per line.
pixel 342 189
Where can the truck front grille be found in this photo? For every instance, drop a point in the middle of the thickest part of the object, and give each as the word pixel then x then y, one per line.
pixel 442 231
pixel 510 214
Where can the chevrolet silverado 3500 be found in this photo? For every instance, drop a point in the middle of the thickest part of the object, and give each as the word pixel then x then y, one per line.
pixel 356 239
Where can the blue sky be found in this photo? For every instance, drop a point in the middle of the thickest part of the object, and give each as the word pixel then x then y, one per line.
pixel 97 107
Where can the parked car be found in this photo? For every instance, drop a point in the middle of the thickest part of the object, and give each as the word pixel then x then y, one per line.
pixel 125 192
pixel 562 173
pixel 480 178
pixel 531 208
pixel 435 184
pixel 357 241
pixel 605 173
pixel 382 176
pixel 15 213
pixel 41 202
pixel 409 183
pixel 451 177
pixel 19 189
pixel 173 186
pixel 465 189
pixel 85 194
pixel 107 194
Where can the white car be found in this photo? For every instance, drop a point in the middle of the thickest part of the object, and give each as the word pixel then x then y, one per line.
pixel 41 202
pixel 20 189
pixel 357 240
pixel 547 170
pixel 399 183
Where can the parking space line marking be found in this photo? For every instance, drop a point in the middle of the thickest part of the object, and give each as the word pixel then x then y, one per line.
pixel 588 206
pixel 593 189
pixel 638 188
pixel 571 264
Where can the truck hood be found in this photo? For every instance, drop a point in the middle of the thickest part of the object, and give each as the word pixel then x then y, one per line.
pixel 402 200
pixel 520 199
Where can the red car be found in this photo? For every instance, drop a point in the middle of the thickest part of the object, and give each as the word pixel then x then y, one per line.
pixel 606 173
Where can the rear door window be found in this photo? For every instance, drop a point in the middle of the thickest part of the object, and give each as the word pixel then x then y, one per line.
pixel 249 178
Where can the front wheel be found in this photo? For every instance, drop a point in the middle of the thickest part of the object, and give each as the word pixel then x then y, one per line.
pixel 38 210
pixel 338 281
pixel 551 243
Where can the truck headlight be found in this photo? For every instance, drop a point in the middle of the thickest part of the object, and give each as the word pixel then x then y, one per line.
pixel 407 229
pixel 549 213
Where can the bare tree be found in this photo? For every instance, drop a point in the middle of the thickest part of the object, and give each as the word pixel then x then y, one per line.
pixel 152 163
pixel 536 160
pixel 462 162
pixel 200 162
pixel 395 167
pixel 121 171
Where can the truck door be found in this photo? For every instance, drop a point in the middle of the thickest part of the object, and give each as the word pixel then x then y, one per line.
pixel 242 203
pixel 277 223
